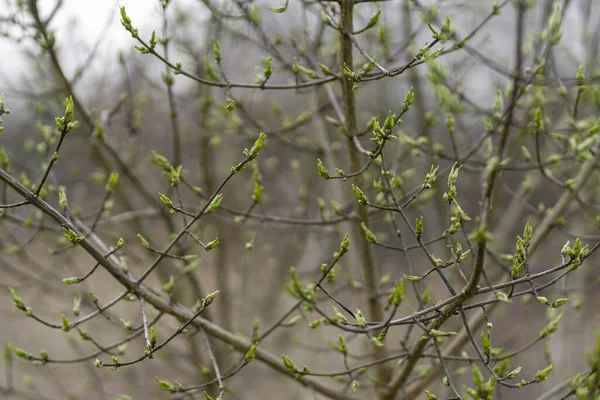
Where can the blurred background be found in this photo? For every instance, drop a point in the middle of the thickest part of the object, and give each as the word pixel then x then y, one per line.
pixel 295 224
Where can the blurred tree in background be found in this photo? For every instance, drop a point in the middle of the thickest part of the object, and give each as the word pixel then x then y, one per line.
pixel 350 199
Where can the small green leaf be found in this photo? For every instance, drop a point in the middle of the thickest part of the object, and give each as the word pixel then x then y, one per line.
pixel 412 278
pixel 360 319
pixel 543 374
pixel 250 354
pixel 513 374
pixel 359 194
pixel 371 238
pixel 559 302
pixel 288 363
pixel 165 385
pixel 211 245
pixel 278 10
pixel 322 170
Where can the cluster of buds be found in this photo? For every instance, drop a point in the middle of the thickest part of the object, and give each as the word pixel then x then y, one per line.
pixel 66 124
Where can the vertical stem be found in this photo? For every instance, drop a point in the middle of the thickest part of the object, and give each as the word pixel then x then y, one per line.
pixel 468 291
pixel 80 112
pixel 369 269
pixel 423 128
pixel 170 96
pixel 206 163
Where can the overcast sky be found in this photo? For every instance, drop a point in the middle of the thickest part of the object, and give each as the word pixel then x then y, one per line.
pixel 80 22
pixel 78 25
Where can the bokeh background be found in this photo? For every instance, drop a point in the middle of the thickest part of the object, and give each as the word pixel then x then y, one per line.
pixel 98 55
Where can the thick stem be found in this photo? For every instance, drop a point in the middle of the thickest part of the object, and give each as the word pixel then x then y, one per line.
pixel 95 248
pixel 124 199
pixel 369 269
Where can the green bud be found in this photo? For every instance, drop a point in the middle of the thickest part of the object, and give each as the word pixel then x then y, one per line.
pixel 339 317
pixel 516 269
pixel 580 78
pixel 126 22
pixel 143 241
pixel 76 305
pixel 368 234
pixel 373 19
pixel 463 256
pixel 513 374
pixel 389 123
pixel 336 207
pixel 93 297
pixel 278 10
pixel 436 333
pixel 486 343
pixel 175 175
pixel 68 109
pixel 288 363
pixel 359 194
pixel 166 201
pixel 408 100
pixel 65 323
pixel 419 226
pixel 217 50
pixel 360 319
pixel 566 250
pixel 412 278
pixel 326 19
pixel 165 385
pixel 559 302
pixel 527 235
pixel 430 177
pixel 230 106
pixel 551 327
pixel 577 247
pixel 250 354
pixel 215 203
pixel 322 170
pixel 72 237
pixel 526 154
pixel 296 286
pixel 21 353
pixel 153 40
pixel 16 299
pixel 62 198
pixel 543 374
pixel 397 294
pixel 503 297
pixel 207 396
pixel 453 175
pixel 477 377
pixel 152 337
pixel 325 69
pixel 160 161
pixel 211 245
pixel 430 396
pixel 258 145
pixel 83 334
pixel 168 287
pixel 307 71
